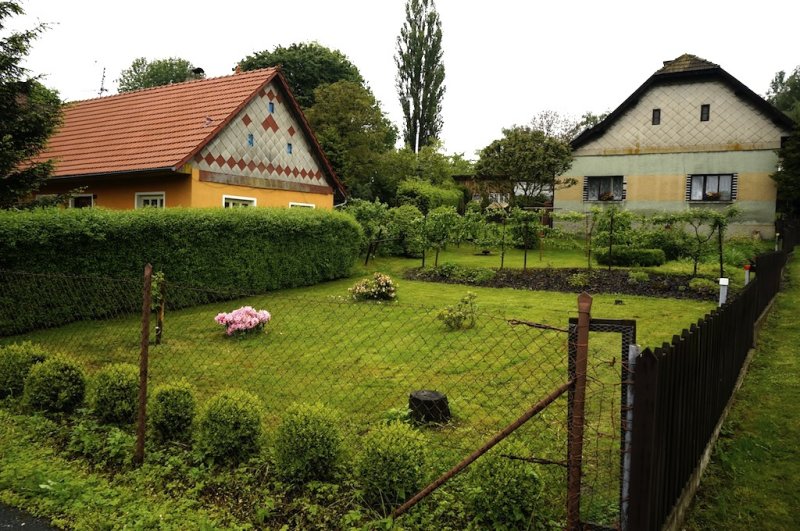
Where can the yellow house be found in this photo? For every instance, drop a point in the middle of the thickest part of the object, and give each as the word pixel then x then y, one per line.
pixel 691 136
pixel 238 140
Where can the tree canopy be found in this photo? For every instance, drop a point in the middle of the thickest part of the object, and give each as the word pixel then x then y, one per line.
pixel 306 66
pixel 784 93
pixel 29 113
pixel 420 73
pixel 147 74
pixel 528 158
pixel 354 133
pixel 788 175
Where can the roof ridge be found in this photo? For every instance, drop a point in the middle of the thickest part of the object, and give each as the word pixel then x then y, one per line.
pixel 247 73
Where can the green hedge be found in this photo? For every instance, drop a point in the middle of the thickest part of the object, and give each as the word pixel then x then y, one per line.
pixel 249 250
pixel 426 196
pixel 629 256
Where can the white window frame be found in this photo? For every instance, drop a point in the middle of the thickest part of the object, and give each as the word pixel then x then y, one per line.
pixel 611 179
pixel 73 197
pixel 293 204
pixel 252 200
pixel 138 195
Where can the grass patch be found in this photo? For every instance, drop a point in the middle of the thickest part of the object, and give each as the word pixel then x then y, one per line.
pixel 753 481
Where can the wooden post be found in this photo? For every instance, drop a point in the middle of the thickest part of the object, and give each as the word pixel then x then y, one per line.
pixel 575 435
pixel 138 456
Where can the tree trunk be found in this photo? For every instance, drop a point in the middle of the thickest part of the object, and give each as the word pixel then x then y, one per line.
pixel 429 406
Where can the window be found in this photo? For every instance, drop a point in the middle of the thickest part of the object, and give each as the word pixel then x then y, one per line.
pixel 271 107
pixel 705 112
pixel 604 188
pixel 251 140
pixel 232 201
pixel 711 187
pixel 81 201
pixel 150 199
pixel 656 116
pixel 302 205
pixel 289 148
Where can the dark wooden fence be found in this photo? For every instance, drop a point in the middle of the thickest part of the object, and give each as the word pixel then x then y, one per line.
pixel 681 390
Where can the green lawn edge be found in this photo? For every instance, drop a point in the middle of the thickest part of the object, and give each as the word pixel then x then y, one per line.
pixel 753 480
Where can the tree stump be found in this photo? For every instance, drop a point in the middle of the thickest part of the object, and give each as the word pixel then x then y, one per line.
pixel 429 406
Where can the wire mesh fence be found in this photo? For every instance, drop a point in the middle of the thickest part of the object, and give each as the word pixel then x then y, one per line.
pixel 361 359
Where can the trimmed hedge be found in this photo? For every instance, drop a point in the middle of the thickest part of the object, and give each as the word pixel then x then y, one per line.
pixel 629 256
pixel 426 196
pixel 57 385
pixel 115 393
pixel 250 250
pixel 16 361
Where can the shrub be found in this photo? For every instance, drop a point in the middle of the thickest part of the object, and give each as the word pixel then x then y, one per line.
pixel 172 412
pixel 391 464
pixel 105 446
pixel 404 223
pixel 244 320
pixel 56 385
pixel 630 256
pixel 672 240
pixel 703 285
pixel 637 277
pixel 502 493
pixel 308 443
pixel 16 361
pixel 380 287
pixel 426 196
pixel 229 427
pixel 462 315
pixel 463 274
pixel 115 394
pixel 578 280
pixel 275 248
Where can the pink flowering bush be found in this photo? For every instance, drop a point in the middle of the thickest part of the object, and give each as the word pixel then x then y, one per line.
pixel 245 319
pixel 380 287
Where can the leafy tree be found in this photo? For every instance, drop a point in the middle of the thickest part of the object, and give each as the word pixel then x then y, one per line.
pixel 354 133
pixel 146 74
pixel 784 93
pixel 29 113
pixel 437 229
pixel 528 158
pixel 404 222
pixel 306 66
pixel 526 228
pixel 373 218
pixel 788 175
pixel 420 73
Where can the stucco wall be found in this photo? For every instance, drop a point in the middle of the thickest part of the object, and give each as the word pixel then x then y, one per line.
pixel 119 192
pixel 268 159
pixel 733 123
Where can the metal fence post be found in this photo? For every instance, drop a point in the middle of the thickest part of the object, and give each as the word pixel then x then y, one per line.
pixel 138 456
pixel 575 435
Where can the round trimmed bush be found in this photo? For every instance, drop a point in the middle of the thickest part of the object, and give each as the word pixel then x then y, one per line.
pixel 390 466
pixel 56 385
pixel 229 427
pixel 16 361
pixel 172 412
pixel 308 443
pixel 115 394
pixel 502 492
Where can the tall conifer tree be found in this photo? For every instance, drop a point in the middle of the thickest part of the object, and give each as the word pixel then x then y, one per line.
pixel 420 73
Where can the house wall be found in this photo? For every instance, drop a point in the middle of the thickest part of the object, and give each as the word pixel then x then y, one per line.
pixel 655 160
pixel 120 193
pixel 229 164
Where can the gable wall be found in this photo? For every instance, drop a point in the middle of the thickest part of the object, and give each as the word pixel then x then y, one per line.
pixel 733 125
pixel 229 159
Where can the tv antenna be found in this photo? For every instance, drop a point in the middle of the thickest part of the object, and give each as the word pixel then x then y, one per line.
pixel 102 83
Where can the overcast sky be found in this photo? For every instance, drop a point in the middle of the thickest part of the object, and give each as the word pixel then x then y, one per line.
pixel 505 60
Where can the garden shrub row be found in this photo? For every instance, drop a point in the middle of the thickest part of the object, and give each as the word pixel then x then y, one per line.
pixel 630 256
pixel 246 250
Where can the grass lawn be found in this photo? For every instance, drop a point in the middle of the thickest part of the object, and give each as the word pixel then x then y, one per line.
pixel 365 358
pixel 753 481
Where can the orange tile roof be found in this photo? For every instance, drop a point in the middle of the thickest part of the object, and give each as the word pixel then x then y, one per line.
pixel 148 129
